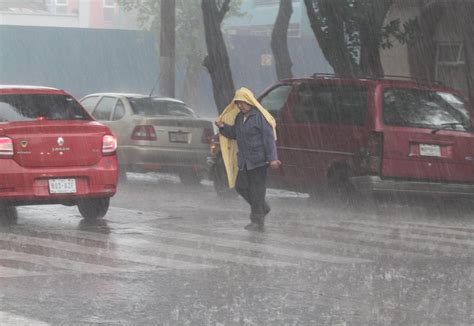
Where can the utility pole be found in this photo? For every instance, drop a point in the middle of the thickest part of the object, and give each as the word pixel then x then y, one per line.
pixel 167 48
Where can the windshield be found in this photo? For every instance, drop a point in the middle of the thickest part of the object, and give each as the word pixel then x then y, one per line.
pixel 424 109
pixel 156 107
pixel 24 107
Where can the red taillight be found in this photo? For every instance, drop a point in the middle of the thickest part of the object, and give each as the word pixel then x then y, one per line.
pixel 375 152
pixel 109 144
pixel 144 132
pixel 6 147
pixel 207 135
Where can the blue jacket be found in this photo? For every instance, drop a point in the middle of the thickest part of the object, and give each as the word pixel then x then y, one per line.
pixel 255 140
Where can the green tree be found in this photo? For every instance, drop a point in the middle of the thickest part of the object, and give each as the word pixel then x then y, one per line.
pixel 352 32
pixel 191 47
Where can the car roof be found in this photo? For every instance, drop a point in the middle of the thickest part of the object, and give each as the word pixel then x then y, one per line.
pixel 134 95
pixel 384 80
pixel 24 89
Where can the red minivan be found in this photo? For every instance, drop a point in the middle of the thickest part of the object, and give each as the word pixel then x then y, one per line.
pixel 53 152
pixel 370 135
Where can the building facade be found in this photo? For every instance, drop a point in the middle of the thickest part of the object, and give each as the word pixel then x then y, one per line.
pixel 66 13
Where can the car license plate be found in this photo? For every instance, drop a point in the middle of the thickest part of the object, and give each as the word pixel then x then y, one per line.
pixel 430 150
pixel 62 186
pixel 179 137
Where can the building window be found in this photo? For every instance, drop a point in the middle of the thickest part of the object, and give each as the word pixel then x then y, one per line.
pixel 109 10
pixel 451 65
pixel 61 6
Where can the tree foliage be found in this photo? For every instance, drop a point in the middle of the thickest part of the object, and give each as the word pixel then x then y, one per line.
pixel 190 40
pixel 352 32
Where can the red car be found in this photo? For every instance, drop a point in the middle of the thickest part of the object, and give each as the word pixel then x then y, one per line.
pixel 368 135
pixel 53 152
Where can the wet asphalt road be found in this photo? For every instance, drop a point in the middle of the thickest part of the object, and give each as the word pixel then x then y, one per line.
pixel 169 254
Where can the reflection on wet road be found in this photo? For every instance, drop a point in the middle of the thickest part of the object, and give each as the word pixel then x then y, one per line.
pixel 195 265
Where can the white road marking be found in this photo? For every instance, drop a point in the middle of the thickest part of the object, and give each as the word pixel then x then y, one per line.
pixel 263 248
pixel 124 252
pixel 148 234
pixel 13 272
pixel 69 265
pixel 9 319
pixel 105 252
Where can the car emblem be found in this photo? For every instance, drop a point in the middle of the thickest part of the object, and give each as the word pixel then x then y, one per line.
pixel 60 141
pixel 24 143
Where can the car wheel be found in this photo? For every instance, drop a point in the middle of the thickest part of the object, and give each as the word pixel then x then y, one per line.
pixel 93 208
pixel 339 186
pixel 190 178
pixel 219 179
pixel 8 215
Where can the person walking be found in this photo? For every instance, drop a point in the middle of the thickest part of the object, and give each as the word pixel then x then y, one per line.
pixel 247 138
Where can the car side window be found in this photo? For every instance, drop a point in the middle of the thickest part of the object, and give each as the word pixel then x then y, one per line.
pixel 89 102
pixel 275 100
pixel 119 111
pixel 338 104
pixel 103 110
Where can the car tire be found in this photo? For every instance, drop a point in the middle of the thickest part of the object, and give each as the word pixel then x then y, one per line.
pixel 93 208
pixel 8 215
pixel 220 182
pixel 340 188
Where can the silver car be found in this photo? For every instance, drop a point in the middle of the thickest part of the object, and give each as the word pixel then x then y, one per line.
pixel 154 133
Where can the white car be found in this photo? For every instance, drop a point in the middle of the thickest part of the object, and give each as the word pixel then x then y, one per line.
pixel 154 133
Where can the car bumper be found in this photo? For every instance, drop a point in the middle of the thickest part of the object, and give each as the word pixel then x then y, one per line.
pixel 20 185
pixel 375 184
pixel 156 159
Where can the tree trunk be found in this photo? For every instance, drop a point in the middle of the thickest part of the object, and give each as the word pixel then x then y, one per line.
pixel 279 42
pixel 167 48
pixel 217 59
pixel 332 40
pixel 464 11
pixel 370 27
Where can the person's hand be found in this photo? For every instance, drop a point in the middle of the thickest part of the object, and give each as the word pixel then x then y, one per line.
pixel 275 164
pixel 219 123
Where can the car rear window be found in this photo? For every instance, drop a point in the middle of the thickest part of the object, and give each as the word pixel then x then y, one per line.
pixel 24 107
pixel 424 109
pixel 157 107
pixel 332 104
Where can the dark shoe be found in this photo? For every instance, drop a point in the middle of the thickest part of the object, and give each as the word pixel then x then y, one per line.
pixel 266 209
pixel 254 227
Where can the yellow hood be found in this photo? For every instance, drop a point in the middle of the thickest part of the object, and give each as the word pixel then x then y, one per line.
pixel 229 146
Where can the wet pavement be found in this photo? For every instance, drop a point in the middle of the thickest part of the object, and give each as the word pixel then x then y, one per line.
pixel 169 254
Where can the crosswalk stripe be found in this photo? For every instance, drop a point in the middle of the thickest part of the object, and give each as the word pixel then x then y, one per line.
pixel 125 254
pixel 9 319
pixel 13 272
pixel 67 265
pixel 106 253
pixel 346 246
pixel 218 240
pixel 372 243
pixel 408 234
pixel 432 228
pixel 263 248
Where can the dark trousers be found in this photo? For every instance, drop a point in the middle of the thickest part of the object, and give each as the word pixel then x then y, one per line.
pixel 252 186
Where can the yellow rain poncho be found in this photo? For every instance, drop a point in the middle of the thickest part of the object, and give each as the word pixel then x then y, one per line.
pixel 229 146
